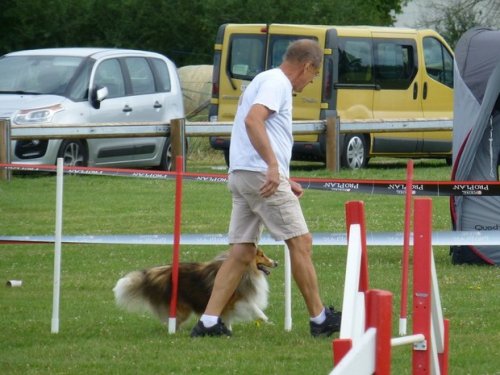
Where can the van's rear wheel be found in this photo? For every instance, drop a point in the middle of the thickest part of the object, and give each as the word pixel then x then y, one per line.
pixel 73 153
pixel 355 151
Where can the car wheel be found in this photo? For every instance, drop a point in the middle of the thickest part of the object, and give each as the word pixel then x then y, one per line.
pixel 355 152
pixel 73 153
pixel 166 157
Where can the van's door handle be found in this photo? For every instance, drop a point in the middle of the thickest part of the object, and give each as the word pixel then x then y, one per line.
pixel 157 105
pixel 425 90
pixel 415 91
pixel 127 108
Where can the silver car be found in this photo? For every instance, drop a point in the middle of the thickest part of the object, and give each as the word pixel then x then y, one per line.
pixel 90 85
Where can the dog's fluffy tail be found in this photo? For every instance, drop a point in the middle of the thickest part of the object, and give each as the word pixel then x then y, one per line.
pixel 134 292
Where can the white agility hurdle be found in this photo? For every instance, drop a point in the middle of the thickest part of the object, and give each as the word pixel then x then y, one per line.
pixel 364 345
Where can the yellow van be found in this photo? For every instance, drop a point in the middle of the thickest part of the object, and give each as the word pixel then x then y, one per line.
pixel 367 73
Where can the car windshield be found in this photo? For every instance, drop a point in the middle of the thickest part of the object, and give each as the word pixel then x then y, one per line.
pixel 37 74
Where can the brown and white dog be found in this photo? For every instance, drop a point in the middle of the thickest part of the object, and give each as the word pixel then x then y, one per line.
pixel 150 290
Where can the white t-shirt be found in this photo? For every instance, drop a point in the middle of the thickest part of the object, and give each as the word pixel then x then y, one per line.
pixel 273 90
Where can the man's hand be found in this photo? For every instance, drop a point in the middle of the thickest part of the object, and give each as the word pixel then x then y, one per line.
pixel 296 188
pixel 272 182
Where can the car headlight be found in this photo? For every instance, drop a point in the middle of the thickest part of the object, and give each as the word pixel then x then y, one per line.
pixel 36 115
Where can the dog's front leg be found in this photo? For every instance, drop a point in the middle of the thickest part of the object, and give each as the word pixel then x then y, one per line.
pixel 259 314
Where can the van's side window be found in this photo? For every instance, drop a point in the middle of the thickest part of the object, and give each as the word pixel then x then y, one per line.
pixel 438 61
pixel 277 48
pixel 247 56
pixel 355 61
pixel 395 63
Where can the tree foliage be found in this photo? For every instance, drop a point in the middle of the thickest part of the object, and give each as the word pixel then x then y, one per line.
pixel 452 18
pixel 183 30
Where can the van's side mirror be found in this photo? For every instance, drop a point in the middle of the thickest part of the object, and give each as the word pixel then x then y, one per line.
pixel 98 94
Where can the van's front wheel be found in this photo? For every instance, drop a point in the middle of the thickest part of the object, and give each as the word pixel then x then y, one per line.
pixel 355 151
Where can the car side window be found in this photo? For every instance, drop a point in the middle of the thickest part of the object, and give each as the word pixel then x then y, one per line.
pixel 109 74
pixel 438 61
pixel 355 61
pixel 395 63
pixel 163 75
pixel 141 76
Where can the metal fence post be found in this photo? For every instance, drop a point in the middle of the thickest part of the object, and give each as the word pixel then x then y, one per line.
pixel 4 148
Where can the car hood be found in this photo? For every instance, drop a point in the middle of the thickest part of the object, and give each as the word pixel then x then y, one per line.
pixel 10 104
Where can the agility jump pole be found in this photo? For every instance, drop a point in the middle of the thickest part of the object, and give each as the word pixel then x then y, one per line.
pixel 432 355
pixel 356 279
pixel 172 320
pixel 367 353
pixel 406 249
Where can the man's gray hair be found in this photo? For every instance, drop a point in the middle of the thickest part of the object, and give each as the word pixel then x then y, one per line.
pixel 304 50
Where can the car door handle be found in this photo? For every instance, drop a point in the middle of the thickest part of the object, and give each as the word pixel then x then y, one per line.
pixel 425 90
pixel 127 108
pixel 415 91
pixel 157 105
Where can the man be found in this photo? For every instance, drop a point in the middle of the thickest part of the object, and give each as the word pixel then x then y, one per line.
pixel 263 195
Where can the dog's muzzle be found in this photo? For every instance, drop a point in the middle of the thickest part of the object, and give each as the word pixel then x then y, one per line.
pixel 265 269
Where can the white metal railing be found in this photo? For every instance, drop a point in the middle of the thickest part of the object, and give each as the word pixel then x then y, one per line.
pixel 202 129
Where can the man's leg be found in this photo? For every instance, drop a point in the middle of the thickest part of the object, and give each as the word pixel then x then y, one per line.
pixel 304 272
pixel 323 321
pixel 229 276
pixel 226 282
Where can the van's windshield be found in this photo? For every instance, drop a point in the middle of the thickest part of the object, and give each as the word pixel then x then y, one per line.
pixel 37 74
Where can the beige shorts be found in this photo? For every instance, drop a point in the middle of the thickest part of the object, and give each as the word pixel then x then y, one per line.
pixel 280 214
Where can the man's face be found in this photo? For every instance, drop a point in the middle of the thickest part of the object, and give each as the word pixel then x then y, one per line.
pixel 307 75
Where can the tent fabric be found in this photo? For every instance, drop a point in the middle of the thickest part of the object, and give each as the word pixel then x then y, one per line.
pixel 476 135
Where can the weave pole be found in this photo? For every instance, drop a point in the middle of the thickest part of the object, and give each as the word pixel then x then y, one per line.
pixel 179 168
pixel 406 249
pixel 288 289
pixel 54 328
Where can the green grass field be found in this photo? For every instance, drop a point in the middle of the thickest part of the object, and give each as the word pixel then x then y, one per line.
pixel 97 338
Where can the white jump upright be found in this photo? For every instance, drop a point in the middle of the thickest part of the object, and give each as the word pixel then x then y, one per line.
pixel 54 326
pixel 364 345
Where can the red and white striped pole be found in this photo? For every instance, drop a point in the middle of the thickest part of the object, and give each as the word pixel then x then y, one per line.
pixel 355 214
pixel 422 294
